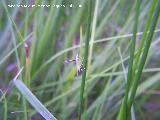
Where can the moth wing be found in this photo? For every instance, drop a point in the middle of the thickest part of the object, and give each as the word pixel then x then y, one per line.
pixel 69 61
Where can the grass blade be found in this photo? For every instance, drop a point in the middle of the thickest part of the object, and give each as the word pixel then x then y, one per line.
pixel 145 53
pixel 88 34
pixel 124 109
pixel 151 10
pixel 33 100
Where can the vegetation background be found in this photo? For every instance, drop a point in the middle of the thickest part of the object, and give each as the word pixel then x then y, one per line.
pixel 40 39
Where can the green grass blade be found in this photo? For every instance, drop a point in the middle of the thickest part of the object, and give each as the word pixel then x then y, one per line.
pixel 93 33
pixel 124 109
pixel 151 10
pixel 33 100
pixel 88 34
pixel 132 50
pixel 145 53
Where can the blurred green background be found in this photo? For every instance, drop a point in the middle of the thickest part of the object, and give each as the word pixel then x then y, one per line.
pixel 54 35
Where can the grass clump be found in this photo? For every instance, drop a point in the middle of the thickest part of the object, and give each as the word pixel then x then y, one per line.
pixel 115 84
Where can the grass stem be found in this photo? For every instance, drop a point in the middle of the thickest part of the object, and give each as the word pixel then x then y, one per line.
pixel 145 53
pixel 88 34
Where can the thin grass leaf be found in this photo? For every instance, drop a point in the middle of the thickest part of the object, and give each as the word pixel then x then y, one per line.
pixel 33 100
pixel 125 76
pixel 86 51
pixel 132 49
pixel 145 53
pixel 150 13
pixel 93 33
pixel 123 111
